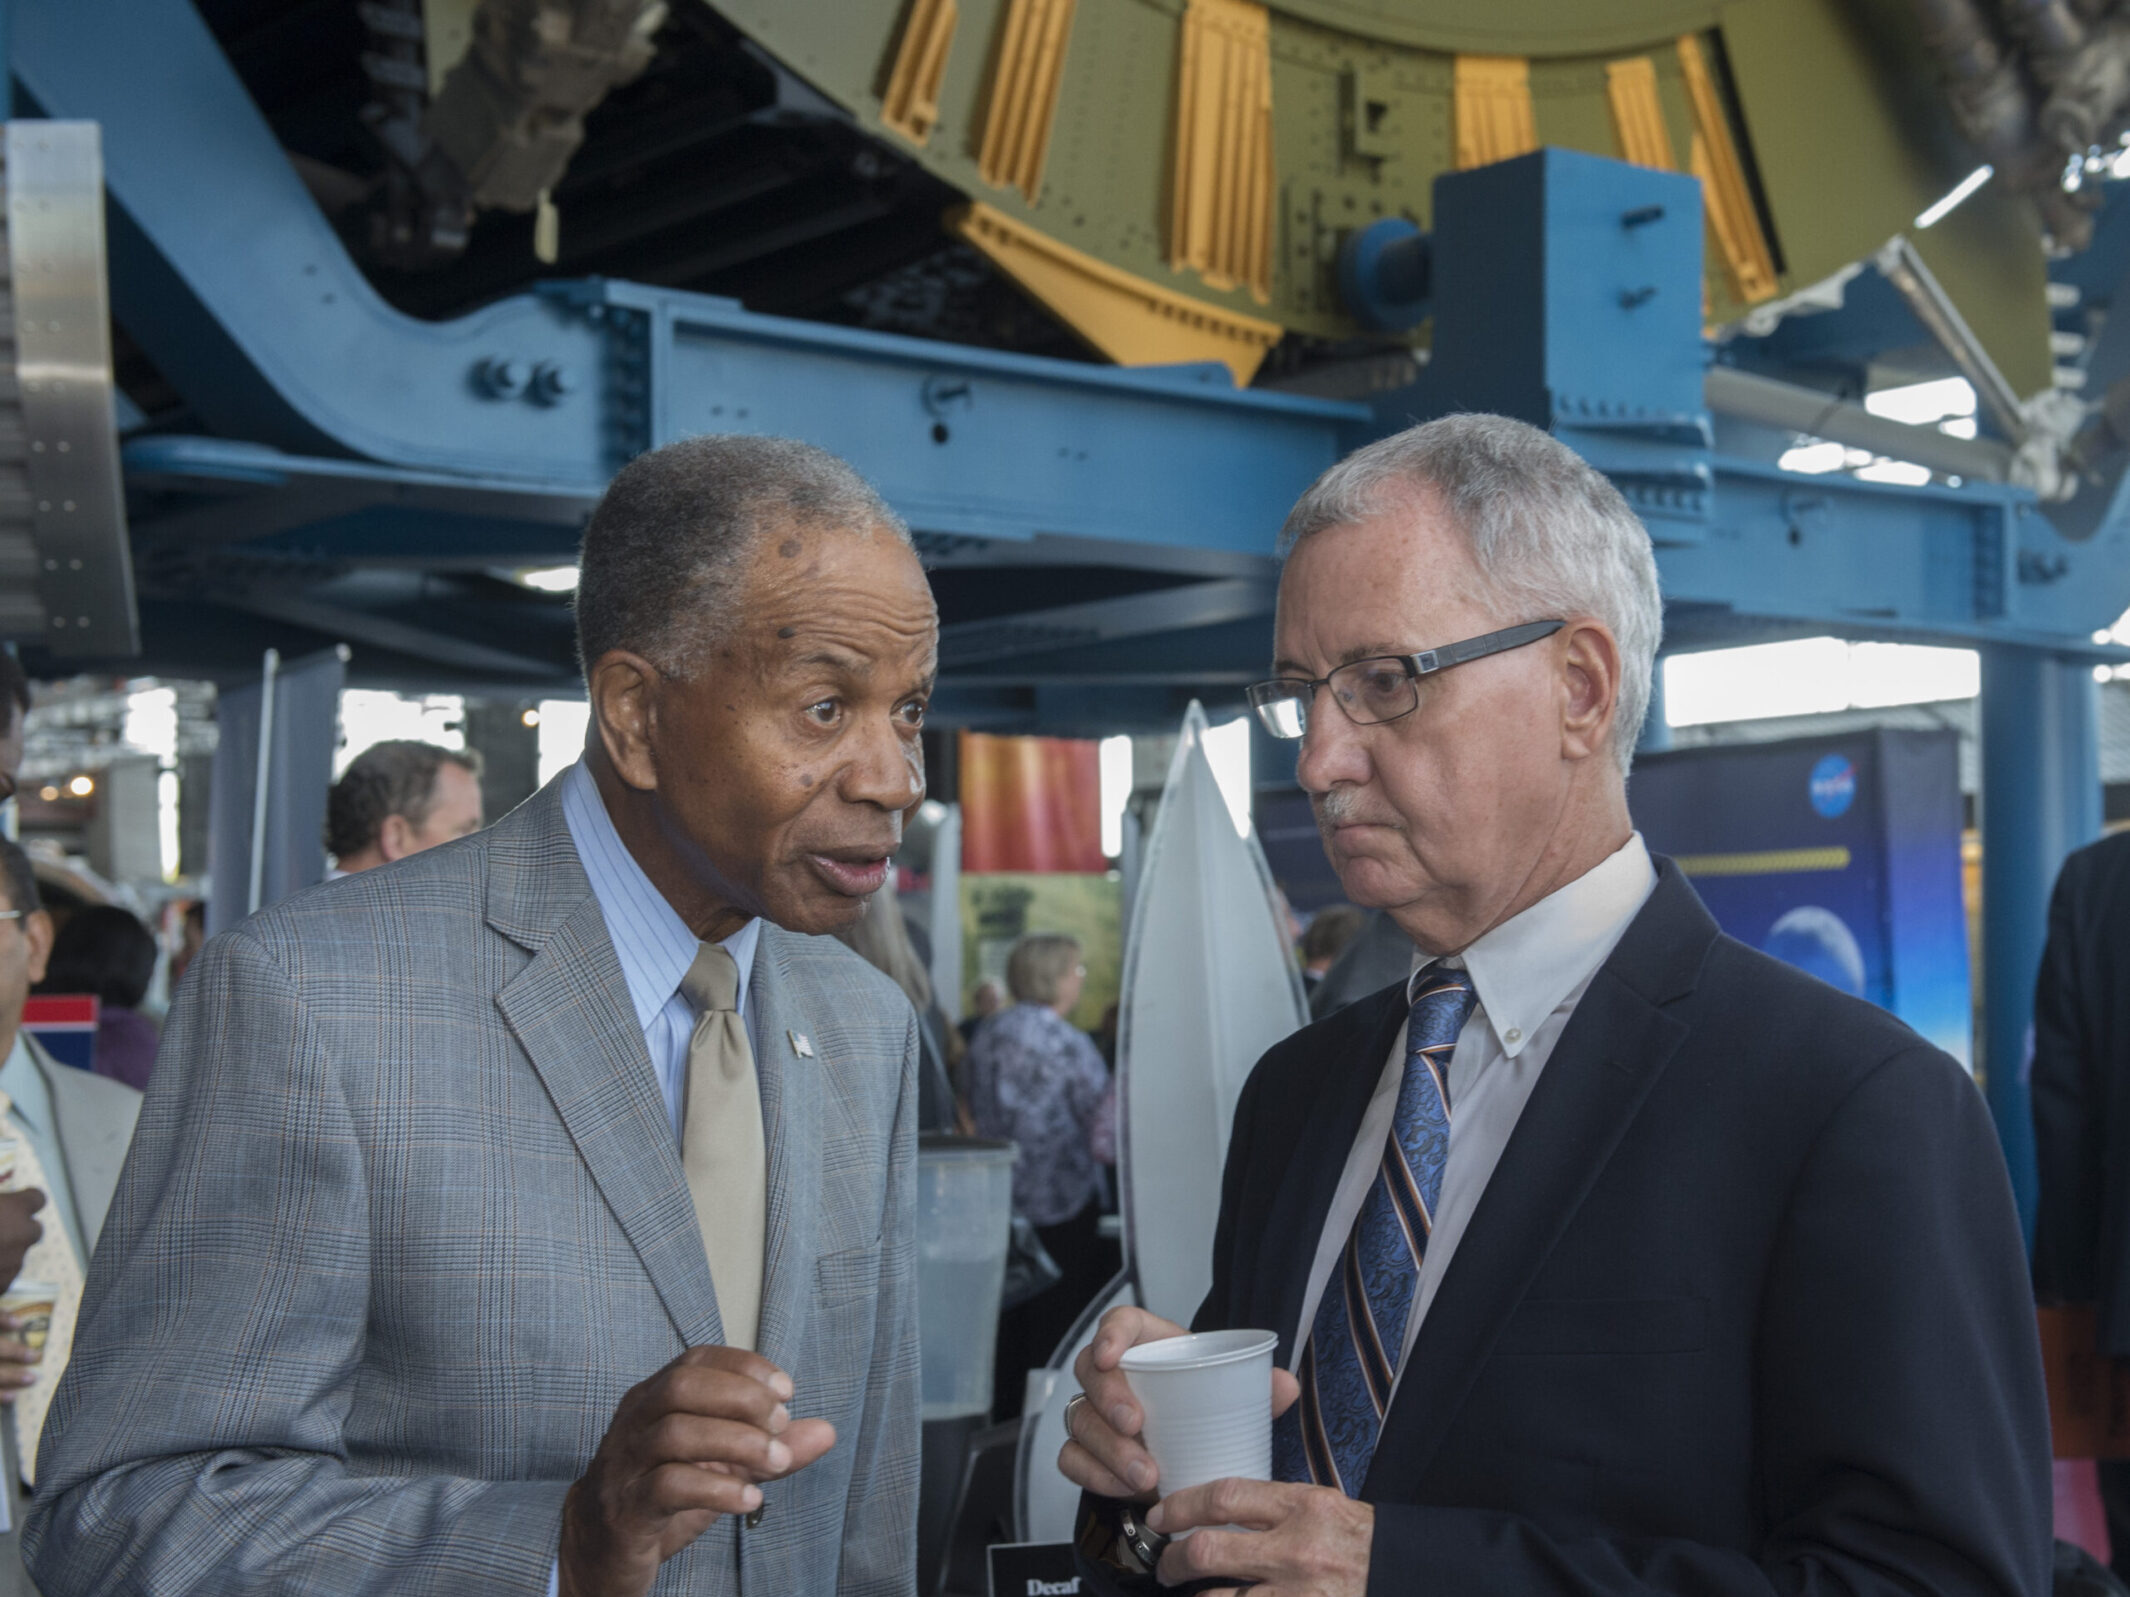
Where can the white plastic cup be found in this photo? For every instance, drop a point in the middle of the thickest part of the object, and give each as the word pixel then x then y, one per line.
pixel 1207 1399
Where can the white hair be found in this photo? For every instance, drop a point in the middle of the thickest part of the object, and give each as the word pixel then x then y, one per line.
pixel 1551 535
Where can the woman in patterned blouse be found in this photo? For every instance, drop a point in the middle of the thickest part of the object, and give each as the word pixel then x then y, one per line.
pixel 1037 1081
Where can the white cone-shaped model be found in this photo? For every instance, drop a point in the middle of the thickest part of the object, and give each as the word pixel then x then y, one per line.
pixel 1209 984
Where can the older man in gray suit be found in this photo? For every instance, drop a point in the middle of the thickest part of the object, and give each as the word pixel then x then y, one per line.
pixel 535 1214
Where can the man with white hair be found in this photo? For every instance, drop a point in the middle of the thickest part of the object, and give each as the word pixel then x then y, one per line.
pixel 1606 1254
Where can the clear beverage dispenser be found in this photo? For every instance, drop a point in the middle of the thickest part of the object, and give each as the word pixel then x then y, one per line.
pixel 964 1214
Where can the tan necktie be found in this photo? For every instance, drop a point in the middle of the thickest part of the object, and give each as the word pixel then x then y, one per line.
pixel 52 1263
pixel 721 1145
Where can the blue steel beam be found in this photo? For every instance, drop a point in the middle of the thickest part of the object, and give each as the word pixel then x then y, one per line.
pixel 1567 291
pixel 227 274
pixel 1566 288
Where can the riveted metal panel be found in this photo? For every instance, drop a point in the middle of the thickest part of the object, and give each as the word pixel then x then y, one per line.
pixel 62 318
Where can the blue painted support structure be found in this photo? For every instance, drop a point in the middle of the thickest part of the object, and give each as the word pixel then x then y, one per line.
pixel 2040 799
pixel 367 462
pixel 282 341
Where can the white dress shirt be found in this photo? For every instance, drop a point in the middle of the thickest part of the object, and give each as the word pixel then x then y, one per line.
pixel 1529 973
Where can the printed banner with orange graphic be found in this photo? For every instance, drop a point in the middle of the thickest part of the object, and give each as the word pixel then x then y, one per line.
pixel 1030 804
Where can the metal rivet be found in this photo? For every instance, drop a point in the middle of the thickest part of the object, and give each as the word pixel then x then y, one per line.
pixel 64 446
pixel 81 621
pixel 66 504
pixel 37 446
pixel 59 621
pixel 44 504
pixel 73 565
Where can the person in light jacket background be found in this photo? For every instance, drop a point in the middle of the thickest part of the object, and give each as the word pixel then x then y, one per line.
pixel 1036 1080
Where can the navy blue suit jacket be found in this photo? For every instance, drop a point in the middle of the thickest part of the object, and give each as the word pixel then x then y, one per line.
pixel 1744 1308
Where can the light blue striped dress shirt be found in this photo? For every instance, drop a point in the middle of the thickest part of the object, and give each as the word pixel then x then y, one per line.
pixel 652 942
pixel 655 948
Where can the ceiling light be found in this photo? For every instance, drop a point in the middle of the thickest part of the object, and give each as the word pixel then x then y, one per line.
pixel 48 793
pixel 550 579
pixel 82 786
pixel 530 718
pixel 1961 191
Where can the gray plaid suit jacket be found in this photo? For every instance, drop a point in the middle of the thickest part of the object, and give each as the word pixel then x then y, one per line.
pixel 403 1221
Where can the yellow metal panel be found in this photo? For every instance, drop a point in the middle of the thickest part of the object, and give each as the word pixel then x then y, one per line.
pixel 911 105
pixel 1492 94
pixel 1024 94
pixel 1132 321
pixel 1771 862
pixel 447 34
pixel 1638 114
pixel 1220 203
pixel 1733 220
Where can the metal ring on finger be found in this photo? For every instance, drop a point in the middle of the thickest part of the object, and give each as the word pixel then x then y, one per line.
pixel 1071 1404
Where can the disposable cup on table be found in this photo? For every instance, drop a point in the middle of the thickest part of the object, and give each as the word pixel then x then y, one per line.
pixel 1207 1401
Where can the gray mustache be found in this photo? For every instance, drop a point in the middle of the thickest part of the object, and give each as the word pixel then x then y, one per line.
pixel 1343 805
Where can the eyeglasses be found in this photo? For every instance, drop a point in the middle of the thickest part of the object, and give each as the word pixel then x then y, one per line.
pixel 1382 688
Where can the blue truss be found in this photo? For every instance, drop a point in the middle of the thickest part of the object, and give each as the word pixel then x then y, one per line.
pixel 355 450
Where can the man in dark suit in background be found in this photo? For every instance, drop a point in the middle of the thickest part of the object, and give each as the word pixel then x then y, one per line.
pixel 2081 1095
pixel 1606 1254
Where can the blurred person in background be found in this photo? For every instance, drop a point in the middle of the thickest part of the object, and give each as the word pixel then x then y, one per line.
pixel 70 1132
pixel 881 937
pixel 1331 930
pixel 2080 1087
pixel 985 1002
pixel 105 950
pixel 398 798
pixel 19 1227
pixel 1035 1080
pixel 15 705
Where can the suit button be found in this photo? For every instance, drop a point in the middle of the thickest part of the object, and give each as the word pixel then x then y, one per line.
pixel 754 1518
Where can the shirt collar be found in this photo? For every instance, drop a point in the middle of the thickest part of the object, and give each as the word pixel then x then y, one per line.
pixel 1524 968
pixel 650 939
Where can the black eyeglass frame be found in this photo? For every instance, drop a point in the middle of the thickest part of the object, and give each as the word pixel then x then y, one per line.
pixel 1426 663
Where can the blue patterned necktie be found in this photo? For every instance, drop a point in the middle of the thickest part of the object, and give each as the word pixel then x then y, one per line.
pixel 1351 1358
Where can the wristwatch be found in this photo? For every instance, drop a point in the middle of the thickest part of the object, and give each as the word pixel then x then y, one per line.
pixel 1117 1554
pixel 1138 1539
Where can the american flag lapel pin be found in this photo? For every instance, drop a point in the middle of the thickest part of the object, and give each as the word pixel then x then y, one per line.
pixel 801 1044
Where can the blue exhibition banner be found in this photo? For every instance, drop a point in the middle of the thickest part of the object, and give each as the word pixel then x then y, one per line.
pixel 1838 854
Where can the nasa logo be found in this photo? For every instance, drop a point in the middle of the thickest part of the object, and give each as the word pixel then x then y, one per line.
pixel 1833 786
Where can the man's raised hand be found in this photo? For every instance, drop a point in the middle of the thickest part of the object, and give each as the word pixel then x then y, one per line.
pixel 685 1446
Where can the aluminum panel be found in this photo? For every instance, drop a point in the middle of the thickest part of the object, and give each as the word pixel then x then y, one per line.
pixel 62 349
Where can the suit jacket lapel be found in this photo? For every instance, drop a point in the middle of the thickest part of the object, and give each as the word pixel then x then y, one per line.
pixel 792 1087
pixel 1312 1177
pixel 570 1010
pixel 93 1146
pixel 1613 1051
